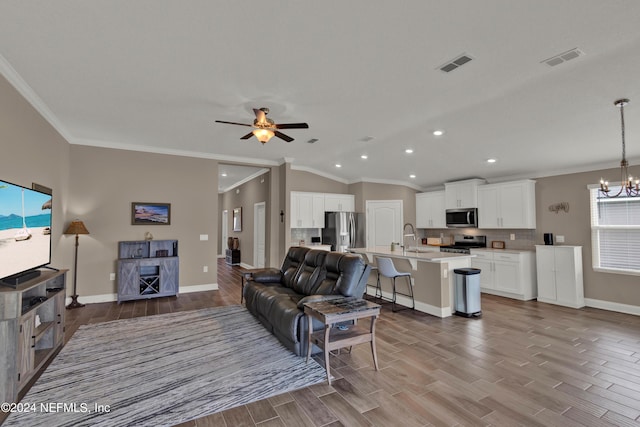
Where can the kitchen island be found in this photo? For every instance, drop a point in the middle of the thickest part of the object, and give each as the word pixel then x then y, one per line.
pixel 431 272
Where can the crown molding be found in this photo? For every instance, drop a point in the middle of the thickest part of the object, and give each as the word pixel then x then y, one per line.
pixel 242 181
pixel 32 98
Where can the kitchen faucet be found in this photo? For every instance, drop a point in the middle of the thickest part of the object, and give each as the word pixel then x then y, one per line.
pixel 412 234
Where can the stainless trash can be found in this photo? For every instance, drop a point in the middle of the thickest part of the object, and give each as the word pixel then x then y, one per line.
pixel 467 290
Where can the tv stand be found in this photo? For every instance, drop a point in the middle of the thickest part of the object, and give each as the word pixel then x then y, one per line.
pixel 18 279
pixel 32 329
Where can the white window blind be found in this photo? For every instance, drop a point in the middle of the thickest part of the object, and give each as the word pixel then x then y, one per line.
pixel 615 233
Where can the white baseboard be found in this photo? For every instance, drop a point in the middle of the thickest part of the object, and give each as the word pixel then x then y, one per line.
pixel 221 256
pixel 93 299
pixel 247 266
pixel 406 302
pixel 612 306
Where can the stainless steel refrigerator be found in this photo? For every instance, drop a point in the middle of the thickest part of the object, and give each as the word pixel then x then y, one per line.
pixel 343 230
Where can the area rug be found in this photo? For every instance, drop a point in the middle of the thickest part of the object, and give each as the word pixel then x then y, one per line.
pixel 163 370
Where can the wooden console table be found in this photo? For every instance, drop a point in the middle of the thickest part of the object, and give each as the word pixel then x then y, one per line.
pixel 340 310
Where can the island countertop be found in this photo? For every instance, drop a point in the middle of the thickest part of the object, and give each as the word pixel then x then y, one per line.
pixel 428 256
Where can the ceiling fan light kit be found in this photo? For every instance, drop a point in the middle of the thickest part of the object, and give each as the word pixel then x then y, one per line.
pixel 265 128
pixel 629 186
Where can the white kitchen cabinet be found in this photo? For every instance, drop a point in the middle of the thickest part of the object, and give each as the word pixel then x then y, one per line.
pixel 307 210
pixel 560 275
pixel 507 205
pixel 339 203
pixel 430 212
pixel 462 194
pixel 506 273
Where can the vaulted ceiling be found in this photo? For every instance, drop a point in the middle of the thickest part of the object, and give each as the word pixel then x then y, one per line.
pixel 153 75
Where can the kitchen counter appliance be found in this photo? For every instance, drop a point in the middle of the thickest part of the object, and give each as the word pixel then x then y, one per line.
pixel 463 244
pixel 462 218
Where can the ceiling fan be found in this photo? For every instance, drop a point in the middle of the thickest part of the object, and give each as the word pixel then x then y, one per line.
pixel 265 128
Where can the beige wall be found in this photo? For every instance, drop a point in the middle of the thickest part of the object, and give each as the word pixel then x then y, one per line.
pixel 33 151
pixel 576 227
pixel 246 196
pixel 307 181
pixel 364 191
pixel 104 183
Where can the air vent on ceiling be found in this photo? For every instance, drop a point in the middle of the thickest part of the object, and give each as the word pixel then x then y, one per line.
pixel 455 63
pixel 312 140
pixel 563 57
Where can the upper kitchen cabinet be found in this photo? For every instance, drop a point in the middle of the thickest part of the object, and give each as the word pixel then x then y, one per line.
pixel 307 210
pixel 462 194
pixel 339 203
pixel 507 205
pixel 430 212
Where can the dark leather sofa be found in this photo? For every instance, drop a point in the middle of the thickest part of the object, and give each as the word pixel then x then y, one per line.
pixel 276 296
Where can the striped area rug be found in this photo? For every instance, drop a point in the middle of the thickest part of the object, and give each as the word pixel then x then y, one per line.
pixel 163 370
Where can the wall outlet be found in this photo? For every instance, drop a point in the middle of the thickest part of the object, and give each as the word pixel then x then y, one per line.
pixel 512 236
pixel 112 276
pixel 204 237
pixel 205 269
pixel 560 239
pixel 445 273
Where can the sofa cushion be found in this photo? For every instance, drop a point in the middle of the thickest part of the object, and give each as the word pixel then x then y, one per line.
pixel 310 273
pixel 295 256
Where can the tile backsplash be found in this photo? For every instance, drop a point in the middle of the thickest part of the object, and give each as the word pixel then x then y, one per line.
pixel 305 234
pixel 525 239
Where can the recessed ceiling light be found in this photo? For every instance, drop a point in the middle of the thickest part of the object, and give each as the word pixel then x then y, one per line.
pixel 223 174
pixel 338 165
pixel 491 160
pixel 412 176
pixel 438 132
pixel 408 151
pixel 364 156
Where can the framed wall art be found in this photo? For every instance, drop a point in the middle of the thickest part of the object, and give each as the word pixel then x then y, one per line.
pixel 143 213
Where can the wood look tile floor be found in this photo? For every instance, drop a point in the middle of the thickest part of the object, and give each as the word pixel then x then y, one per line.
pixel 522 363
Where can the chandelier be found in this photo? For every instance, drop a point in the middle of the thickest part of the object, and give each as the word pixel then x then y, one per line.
pixel 629 187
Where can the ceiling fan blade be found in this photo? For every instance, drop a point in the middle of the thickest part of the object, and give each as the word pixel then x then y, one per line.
pixel 292 126
pixel 261 117
pixel 247 136
pixel 283 136
pixel 233 123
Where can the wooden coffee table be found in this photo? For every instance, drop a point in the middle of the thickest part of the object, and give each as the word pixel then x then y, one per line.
pixel 332 338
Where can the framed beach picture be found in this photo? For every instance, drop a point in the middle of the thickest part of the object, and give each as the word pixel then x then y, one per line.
pixel 237 219
pixel 150 213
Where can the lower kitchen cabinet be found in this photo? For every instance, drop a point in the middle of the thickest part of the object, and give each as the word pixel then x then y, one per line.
pixel 560 275
pixel 505 273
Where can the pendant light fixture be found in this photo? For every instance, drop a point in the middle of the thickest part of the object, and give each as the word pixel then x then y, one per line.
pixel 629 186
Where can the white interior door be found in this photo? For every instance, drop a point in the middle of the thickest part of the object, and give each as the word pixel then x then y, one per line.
pixel 225 231
pixel 259 234
pixel 384 222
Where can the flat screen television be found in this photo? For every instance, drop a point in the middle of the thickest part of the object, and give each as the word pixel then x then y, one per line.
pixel 25 232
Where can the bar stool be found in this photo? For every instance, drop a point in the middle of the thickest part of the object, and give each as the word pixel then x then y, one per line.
pixel 386 268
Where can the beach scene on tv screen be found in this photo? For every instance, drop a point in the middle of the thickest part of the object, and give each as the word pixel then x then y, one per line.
pixel 25 229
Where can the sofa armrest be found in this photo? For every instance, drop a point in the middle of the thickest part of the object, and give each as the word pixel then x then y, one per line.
pixel 316 298
pixel 266 275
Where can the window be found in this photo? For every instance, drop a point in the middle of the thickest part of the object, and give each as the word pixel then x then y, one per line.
pixel 615 233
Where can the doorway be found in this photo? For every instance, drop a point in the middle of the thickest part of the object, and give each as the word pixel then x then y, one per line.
pixel 225 231
pixel 259 234
pixel 384 222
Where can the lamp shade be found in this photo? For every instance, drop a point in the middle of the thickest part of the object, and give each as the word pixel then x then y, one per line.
pixel 76 227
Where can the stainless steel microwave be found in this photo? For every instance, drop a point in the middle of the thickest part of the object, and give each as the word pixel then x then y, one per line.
pixel 462 218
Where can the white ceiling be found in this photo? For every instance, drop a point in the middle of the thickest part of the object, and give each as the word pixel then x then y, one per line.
pixel 155 74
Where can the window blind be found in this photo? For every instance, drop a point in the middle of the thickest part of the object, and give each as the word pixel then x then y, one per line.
pixel 615 233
